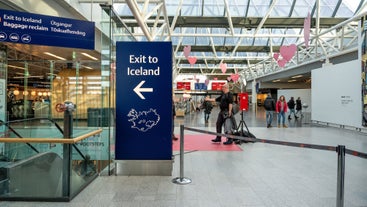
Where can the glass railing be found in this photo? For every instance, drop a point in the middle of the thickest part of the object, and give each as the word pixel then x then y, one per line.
pixel 37 163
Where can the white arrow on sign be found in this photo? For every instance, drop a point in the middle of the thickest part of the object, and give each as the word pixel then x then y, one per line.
pixel 138 90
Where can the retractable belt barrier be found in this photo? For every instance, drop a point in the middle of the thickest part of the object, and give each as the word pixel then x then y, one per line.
pixel 340 150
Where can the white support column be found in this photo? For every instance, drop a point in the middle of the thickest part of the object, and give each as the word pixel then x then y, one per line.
pixel 254 95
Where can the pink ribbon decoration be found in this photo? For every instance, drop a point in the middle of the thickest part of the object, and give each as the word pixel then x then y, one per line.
pixel 187 50
pixel 206 82
pixel 223 67
pixel 307 29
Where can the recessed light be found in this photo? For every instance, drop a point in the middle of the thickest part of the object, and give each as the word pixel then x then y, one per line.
pixel 55 56
pixel 297 76
pixel 87 55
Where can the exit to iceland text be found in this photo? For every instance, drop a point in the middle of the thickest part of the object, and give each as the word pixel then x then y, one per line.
pixel 140 70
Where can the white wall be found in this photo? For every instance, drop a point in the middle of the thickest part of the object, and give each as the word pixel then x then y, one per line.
pixel 336 94
pixel 305 95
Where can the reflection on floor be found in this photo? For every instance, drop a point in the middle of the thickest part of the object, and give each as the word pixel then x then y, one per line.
pixel 261 175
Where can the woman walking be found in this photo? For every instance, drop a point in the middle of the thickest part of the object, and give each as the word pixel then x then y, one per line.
pixel 281 109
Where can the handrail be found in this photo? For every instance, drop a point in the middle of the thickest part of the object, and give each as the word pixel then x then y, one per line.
pixel 51 140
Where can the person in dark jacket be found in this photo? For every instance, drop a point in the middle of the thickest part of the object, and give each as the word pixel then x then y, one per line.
pixel 173 121
pixel 225 104
pixel 299 107
pixel 207 106
pixel 269 105
pixel 291 106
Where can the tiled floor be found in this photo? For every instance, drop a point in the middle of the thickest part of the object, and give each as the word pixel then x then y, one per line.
pixel 262 175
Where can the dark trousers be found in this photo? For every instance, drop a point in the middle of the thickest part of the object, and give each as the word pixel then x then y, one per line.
pixel 220 122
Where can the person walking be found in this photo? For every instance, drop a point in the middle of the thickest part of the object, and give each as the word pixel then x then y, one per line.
pixel 225 104
pixel 299 107
pixel 291 105
pixel 281 108
pixel 207 106
pixel 174 138
pixel 269 105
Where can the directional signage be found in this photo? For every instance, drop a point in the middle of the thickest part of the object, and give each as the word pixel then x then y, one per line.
pixel 143 101
pixel 28 28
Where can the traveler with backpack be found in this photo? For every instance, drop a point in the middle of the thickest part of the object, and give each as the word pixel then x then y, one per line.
pixel 269 105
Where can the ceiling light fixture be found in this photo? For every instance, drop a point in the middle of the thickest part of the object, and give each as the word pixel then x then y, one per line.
pixel 87 55
pixel 291 81
pixel 297 76
pixel 55 56
pixel 87 67
pixel 17 67
pixel 276 80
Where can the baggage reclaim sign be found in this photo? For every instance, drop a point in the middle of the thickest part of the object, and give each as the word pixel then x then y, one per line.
pixel 143 101
pixel 28 28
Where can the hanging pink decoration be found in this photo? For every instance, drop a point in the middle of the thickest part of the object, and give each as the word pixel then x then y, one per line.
pixel 307 29
pixel 276 56
pixel 215 78
pixel 282 62
pixel 223 67
pixel 187 50
pixel 192 60
pixel 235 77
pixel 229 78
pixel 206 82
pixel 288 52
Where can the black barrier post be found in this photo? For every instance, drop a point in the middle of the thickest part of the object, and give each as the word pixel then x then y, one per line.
pixel 181 180
pixel 67 154
pixel 341 172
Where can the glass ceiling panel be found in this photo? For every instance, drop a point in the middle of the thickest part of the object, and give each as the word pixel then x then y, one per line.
pixel 237 8
pixel 258 8
pixel 191 10
pixel 213 8
pixel 302 8
pixel 122 9
pixel 347 8
pixel 281 9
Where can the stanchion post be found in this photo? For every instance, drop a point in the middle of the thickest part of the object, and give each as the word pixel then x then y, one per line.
pixel 341 173
pixel 181 180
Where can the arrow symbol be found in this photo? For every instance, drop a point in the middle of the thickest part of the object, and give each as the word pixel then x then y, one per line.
pixel 138 90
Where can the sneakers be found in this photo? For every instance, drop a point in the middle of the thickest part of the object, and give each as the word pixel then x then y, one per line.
pixel 229 141
pixel 216 139
pixel 285 126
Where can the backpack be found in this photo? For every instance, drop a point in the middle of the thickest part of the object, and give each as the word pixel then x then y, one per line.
pixel 268 105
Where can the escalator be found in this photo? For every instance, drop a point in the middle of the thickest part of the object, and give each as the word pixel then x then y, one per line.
pixel 43 171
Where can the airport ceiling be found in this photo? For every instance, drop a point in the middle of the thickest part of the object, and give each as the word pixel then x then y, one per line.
pixel 237 33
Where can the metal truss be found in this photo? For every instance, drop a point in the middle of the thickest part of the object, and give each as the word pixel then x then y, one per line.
pixel 153 24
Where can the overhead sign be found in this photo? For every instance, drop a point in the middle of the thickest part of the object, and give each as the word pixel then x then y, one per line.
pixel 143 101
pixel 28 28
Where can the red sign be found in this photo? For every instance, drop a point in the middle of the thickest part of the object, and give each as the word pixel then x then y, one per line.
pixel 243 101
pixel 183 86
pixel 217 86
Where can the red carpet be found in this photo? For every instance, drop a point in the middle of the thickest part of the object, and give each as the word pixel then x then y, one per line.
pixel 201 142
